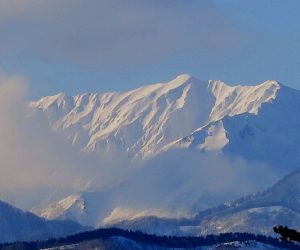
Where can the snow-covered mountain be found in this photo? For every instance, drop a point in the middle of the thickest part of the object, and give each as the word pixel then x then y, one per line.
pixel 249 121
pixel 17 225
pixel 139 122
pixel 257 123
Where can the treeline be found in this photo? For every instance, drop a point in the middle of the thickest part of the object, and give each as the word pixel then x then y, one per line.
pixel 287 234
pixel 137 236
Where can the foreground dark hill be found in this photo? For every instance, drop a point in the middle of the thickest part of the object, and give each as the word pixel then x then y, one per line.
pixel 114 238
pixel 17 225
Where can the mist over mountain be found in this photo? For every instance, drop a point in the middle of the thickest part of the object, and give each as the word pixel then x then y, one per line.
pixel 255 213
pixel 169 117
pixel 185 145
pixel 168 150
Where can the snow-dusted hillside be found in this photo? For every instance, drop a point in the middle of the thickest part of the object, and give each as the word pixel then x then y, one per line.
pixel 94 209
pixel 87 208
pixel 122 243
pixel 16 225
pixel 257 213
pixel 279 205
pixel 143 122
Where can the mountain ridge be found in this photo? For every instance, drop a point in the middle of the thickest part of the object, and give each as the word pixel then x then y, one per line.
pixel 143 121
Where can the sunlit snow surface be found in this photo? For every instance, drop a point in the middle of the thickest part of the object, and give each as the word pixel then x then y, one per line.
pixel 258 124
pixel 142 122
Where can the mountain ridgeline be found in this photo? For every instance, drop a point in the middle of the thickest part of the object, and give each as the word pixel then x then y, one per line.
pixel 258 123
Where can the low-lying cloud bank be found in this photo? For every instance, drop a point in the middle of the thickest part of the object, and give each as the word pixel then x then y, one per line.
pixel 182 181
pixel 38 166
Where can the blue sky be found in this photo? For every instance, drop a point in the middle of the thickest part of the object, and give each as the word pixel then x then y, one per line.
pixel 77 46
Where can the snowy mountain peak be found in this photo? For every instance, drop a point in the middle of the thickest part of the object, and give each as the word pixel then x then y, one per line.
pixel 143 121
pixel 184 78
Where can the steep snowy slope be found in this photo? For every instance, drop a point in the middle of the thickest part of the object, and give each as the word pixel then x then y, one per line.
pixel 16 225
pixel 258 213
pixel 138 122
pixel 144 121
pixel 269 134
pixel 87 208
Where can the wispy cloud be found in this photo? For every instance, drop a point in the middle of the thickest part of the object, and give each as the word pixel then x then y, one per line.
pixel 187 181
pixel 112 32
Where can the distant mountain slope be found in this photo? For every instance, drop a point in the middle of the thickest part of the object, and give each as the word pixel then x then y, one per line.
pixel 258 213
pixel 279 205
pixel 150 119
pixel 16 225
pixel 87 208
